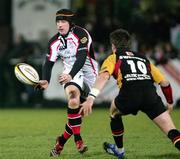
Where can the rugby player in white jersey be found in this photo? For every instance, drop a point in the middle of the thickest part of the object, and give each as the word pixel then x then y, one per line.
pixel 73 45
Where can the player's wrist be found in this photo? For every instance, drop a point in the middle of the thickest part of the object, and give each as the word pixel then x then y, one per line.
pixel 167 91
pixel 94 92
pixel 70 77
pixel 91 98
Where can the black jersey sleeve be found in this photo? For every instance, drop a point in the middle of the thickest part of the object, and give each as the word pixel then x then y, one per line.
pixel 47 69
pixel 82 50
pixel 80 60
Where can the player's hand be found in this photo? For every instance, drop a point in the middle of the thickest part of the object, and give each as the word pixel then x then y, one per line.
pixel 64 78
pixel 86 107
pixel 42 84
pixel 169 108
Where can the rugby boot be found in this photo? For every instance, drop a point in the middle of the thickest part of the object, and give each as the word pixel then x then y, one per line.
pixel 81 147
pixel 113 150
pixel 56 151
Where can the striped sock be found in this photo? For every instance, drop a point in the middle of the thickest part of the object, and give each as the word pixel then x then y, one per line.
pixel 117 130
pixel 174 135
pixel 68 131
pixel 75 122
pixel 66 135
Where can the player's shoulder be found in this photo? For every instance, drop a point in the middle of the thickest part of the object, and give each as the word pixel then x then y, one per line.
pixel 80 32
pixel 54 38
pixel 111 56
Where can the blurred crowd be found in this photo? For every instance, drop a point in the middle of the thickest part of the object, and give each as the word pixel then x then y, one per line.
pixel 155 34
pixel 13 92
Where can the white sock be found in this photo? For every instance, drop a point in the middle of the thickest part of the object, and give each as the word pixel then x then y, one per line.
pixel 121 150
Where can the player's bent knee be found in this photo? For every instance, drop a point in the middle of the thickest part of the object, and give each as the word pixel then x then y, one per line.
pixel 74 99
pixel 73 103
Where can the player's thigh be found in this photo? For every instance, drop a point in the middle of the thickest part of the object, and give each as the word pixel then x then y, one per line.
pixel 153 106
pixel 75 85
pixel 127 103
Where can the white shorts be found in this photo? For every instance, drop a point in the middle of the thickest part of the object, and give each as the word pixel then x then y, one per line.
pixel 82 83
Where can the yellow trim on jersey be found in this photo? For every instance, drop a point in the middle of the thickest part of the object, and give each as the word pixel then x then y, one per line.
pixel 156 74
pixel 109 66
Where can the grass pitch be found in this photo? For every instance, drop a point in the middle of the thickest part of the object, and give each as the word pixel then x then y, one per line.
pixel 31 133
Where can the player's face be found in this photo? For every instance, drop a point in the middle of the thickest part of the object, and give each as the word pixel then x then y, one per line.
pixel 63 26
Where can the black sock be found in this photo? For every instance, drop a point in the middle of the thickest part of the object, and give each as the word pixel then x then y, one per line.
pixel 77 137
pixel 66 135
pixel 174 135
pixel 61 140
pixel 117 129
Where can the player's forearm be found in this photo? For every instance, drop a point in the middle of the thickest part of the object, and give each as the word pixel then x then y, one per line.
pixel 167 91
pixel 100 82
pixel 47 68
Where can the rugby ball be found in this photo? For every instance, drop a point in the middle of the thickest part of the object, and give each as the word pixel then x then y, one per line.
pixel 26 74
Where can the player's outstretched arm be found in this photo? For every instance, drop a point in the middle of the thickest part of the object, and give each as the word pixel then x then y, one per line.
pixel 167 91
pixel 86 107
pixel 165 86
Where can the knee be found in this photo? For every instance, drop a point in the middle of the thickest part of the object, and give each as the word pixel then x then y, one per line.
pixel 73 99
pixel 114 111
pixel 73 102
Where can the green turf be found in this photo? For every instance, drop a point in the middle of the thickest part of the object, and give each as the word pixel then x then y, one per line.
pixel 30 134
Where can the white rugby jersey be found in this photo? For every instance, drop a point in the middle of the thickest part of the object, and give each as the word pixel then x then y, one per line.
pixel 68 48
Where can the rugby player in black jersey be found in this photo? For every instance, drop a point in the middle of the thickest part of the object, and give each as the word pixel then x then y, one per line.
pixel 73 45
pixel 135 77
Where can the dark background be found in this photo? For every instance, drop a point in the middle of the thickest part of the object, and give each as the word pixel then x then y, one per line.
pixel 149 20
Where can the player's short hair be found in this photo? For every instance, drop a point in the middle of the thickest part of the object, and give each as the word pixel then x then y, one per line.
pixel 120 38
pixel 65 14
